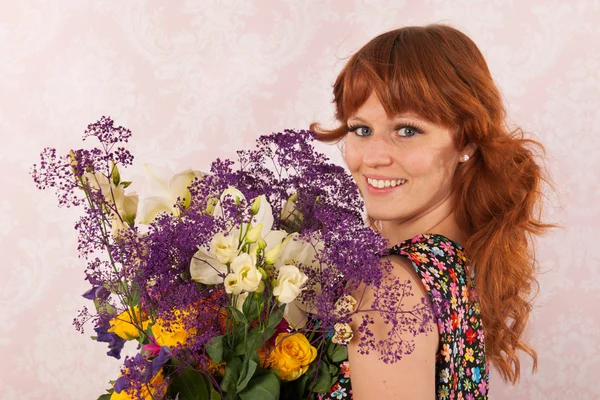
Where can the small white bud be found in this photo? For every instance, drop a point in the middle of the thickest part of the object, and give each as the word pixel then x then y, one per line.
pixel 255 206
pixel 254 234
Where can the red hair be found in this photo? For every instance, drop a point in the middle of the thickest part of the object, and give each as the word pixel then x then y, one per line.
pixel 438 73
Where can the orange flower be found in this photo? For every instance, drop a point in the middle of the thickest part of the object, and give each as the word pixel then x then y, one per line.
pixel 291 356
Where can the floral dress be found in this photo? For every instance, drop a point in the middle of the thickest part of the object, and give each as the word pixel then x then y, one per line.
pixel 461 367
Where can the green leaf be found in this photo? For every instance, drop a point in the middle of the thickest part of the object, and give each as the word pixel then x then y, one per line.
pixel 275 319
pixel 215 349
pixel 214 395
pixel 189 385
pixel 264 387
pixel 104 307
pixel 251 307
pixel 237 315
pixel 125 184
pixel 232 374
pixel 105 396
pixel 246 374
pixel 326 377
pixel 134 297
pixel 337 353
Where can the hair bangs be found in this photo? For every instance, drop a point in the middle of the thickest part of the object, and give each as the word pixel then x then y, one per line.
pixel 403 77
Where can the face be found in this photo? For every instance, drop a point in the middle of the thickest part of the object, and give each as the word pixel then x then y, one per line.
pixel 417 158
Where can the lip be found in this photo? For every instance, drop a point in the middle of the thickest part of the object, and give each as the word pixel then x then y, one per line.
pixel 380 191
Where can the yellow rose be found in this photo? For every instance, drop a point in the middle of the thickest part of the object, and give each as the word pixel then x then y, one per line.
pixel 155 389
pixel 174 333
pixel 125 327
pixel 291 356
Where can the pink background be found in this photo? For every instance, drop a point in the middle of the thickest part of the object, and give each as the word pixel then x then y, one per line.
pixel 195 80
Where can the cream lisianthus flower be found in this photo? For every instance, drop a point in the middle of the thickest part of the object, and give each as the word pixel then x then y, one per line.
pixel 110 191
pixel 126 205
pixel 244 267
pixel 225 248
pixel 209 266
pixel 239 304
pixel 232 284
pixel 290 281
pixel 129 207
pixel 294 250
pixel 127 210
pixel 170 190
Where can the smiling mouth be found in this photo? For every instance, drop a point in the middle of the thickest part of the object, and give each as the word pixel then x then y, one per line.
pixel 384 184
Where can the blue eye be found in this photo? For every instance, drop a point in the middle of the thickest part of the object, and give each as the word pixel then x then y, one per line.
pixel 360 130
pixel 404 130
pixel 409 130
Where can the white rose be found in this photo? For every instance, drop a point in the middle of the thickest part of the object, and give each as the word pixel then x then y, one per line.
pixel 343 334
pixel 249 277
pixel 289 283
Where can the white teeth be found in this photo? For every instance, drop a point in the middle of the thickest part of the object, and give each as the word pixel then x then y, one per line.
pixel 385 183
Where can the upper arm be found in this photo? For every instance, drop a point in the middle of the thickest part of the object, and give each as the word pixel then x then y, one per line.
pixel 413 376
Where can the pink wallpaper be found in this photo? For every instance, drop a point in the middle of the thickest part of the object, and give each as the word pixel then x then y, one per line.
pixel 195 80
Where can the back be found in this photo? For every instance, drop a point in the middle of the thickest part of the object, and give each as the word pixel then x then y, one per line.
pixel 461 368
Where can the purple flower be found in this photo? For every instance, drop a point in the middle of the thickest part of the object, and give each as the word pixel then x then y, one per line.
pixel 152 270
pixel 115 343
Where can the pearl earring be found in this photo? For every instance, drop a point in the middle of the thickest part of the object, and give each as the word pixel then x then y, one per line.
pixel 465 157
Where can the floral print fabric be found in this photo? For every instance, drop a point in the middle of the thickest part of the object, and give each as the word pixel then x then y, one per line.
pixel 461 367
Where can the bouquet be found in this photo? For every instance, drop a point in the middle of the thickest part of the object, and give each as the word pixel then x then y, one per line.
pixel 235 284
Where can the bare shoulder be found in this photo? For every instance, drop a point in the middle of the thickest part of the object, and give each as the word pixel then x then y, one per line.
pixel 400 362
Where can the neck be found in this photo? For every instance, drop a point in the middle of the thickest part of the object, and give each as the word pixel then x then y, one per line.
pixel 439 219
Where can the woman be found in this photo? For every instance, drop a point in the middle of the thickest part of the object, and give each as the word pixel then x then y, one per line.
pixel 457 193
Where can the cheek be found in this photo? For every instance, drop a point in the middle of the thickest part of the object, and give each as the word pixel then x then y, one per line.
pixel 419 163
pixel 428 164
pixel 352 158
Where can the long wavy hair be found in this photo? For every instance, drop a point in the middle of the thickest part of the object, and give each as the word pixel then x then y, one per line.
pixel 438 73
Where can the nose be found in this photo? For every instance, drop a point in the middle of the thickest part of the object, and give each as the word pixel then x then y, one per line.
pixel 377 152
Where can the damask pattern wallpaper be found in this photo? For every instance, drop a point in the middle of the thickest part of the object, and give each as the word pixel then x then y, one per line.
pixel 194 80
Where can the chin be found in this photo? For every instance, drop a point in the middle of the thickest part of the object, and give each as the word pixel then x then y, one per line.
pixel 384 216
